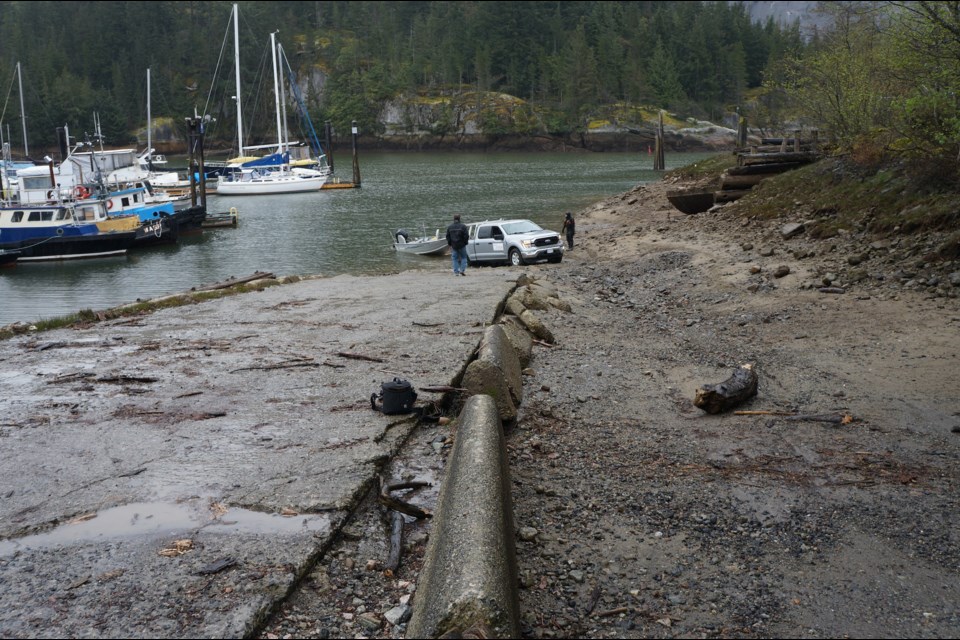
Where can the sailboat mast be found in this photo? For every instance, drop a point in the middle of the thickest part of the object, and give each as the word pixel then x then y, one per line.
pixel 23 115
pixel 149 127
pixel 276 90
pixel 236 55
pixel 283 97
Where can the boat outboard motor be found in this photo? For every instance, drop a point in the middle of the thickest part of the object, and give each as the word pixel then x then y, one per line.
pixel 402 236
pixel 396 396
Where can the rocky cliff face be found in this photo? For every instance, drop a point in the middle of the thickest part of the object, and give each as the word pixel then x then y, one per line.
pixel 475 120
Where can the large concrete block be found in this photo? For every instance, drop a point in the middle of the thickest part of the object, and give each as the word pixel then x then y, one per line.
pixel 536 326
pixel 519 337
pixel 496 372
pixel 515 306
pixel 468 585
pixel 483 377
pixel 529 297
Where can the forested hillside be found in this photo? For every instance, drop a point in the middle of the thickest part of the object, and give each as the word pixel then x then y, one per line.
pixel 564 59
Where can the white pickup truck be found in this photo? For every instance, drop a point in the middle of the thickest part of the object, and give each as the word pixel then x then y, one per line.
pixel 517 242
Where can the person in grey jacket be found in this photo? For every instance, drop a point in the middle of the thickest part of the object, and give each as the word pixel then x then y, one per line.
pixel 457 238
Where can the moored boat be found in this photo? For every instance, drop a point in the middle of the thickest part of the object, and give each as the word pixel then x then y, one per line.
pixel 691 202
pixel 425 245
pixel 272 174
pixel 62 231
pixel 265 181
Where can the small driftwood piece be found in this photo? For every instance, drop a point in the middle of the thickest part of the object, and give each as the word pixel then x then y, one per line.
pixel 403 507
pixel 396 543
pixel 125 379
pixel 398 508
pixel 358 356
pixel 217 566
pixel 764 413
pixel 832 290
pixel 290 364
pixel 399 505
pixel 841 418
pixel 611 612
pixel 735 390
pixel 442 388
pixel 594 599
pixel 831 418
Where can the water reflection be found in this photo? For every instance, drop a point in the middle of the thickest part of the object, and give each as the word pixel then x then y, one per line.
pixel 335 231
pixel 141 519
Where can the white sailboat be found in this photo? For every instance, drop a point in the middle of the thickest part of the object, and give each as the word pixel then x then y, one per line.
pixel 260 180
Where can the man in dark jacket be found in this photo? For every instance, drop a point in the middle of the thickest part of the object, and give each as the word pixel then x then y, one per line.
pixel 457 237
pixel 569 227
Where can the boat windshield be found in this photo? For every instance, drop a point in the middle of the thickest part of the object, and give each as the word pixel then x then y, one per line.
pixel 524 226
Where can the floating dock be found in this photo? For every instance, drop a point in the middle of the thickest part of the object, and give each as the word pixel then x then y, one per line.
pixel 337 184
pixel 226 219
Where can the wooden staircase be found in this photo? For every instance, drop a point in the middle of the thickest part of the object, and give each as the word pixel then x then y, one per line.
pixel 773 156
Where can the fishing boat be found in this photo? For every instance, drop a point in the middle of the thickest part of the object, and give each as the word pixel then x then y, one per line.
pixel 158 221
pixel 435 245
pixel 63 231
pixel 273 174
pixel 54 183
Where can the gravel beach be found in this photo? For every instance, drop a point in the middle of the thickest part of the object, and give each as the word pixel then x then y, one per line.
pixel 829 511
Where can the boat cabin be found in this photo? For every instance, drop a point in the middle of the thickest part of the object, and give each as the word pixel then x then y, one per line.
pixel 51 183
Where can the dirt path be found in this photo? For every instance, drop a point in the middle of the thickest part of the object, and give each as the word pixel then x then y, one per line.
pixel 639 515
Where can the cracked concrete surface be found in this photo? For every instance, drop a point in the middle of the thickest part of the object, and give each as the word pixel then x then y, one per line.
pixel 240 425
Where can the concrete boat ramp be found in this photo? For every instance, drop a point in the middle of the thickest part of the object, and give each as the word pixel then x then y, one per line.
pixel 143 457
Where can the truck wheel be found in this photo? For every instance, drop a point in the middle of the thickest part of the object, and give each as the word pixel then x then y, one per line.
pixel 515 258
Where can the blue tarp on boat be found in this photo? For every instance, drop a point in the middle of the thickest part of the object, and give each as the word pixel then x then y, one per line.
pixel 272 160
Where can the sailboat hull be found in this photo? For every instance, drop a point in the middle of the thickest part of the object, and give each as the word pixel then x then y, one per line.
pixel 272 184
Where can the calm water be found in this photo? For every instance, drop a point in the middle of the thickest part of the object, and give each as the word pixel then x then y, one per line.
pixel 335 231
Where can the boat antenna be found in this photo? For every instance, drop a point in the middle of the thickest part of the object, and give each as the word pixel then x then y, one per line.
pixel 23 117
pixel 97 137
pixel 149 127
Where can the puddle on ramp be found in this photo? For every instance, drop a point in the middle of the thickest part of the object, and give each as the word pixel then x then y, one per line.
pixel 159 518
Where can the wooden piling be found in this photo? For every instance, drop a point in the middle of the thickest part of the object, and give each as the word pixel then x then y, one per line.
pixel 356 162
pixel 659 163
pixel 328 134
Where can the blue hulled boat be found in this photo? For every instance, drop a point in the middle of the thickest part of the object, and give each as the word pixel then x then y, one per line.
pixel 64 231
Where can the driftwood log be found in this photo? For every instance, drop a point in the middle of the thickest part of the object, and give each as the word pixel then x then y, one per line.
pixel 735 390
pixel 397 508
pixel 226 284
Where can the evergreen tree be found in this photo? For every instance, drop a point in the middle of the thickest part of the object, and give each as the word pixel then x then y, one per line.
pixel 663 78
